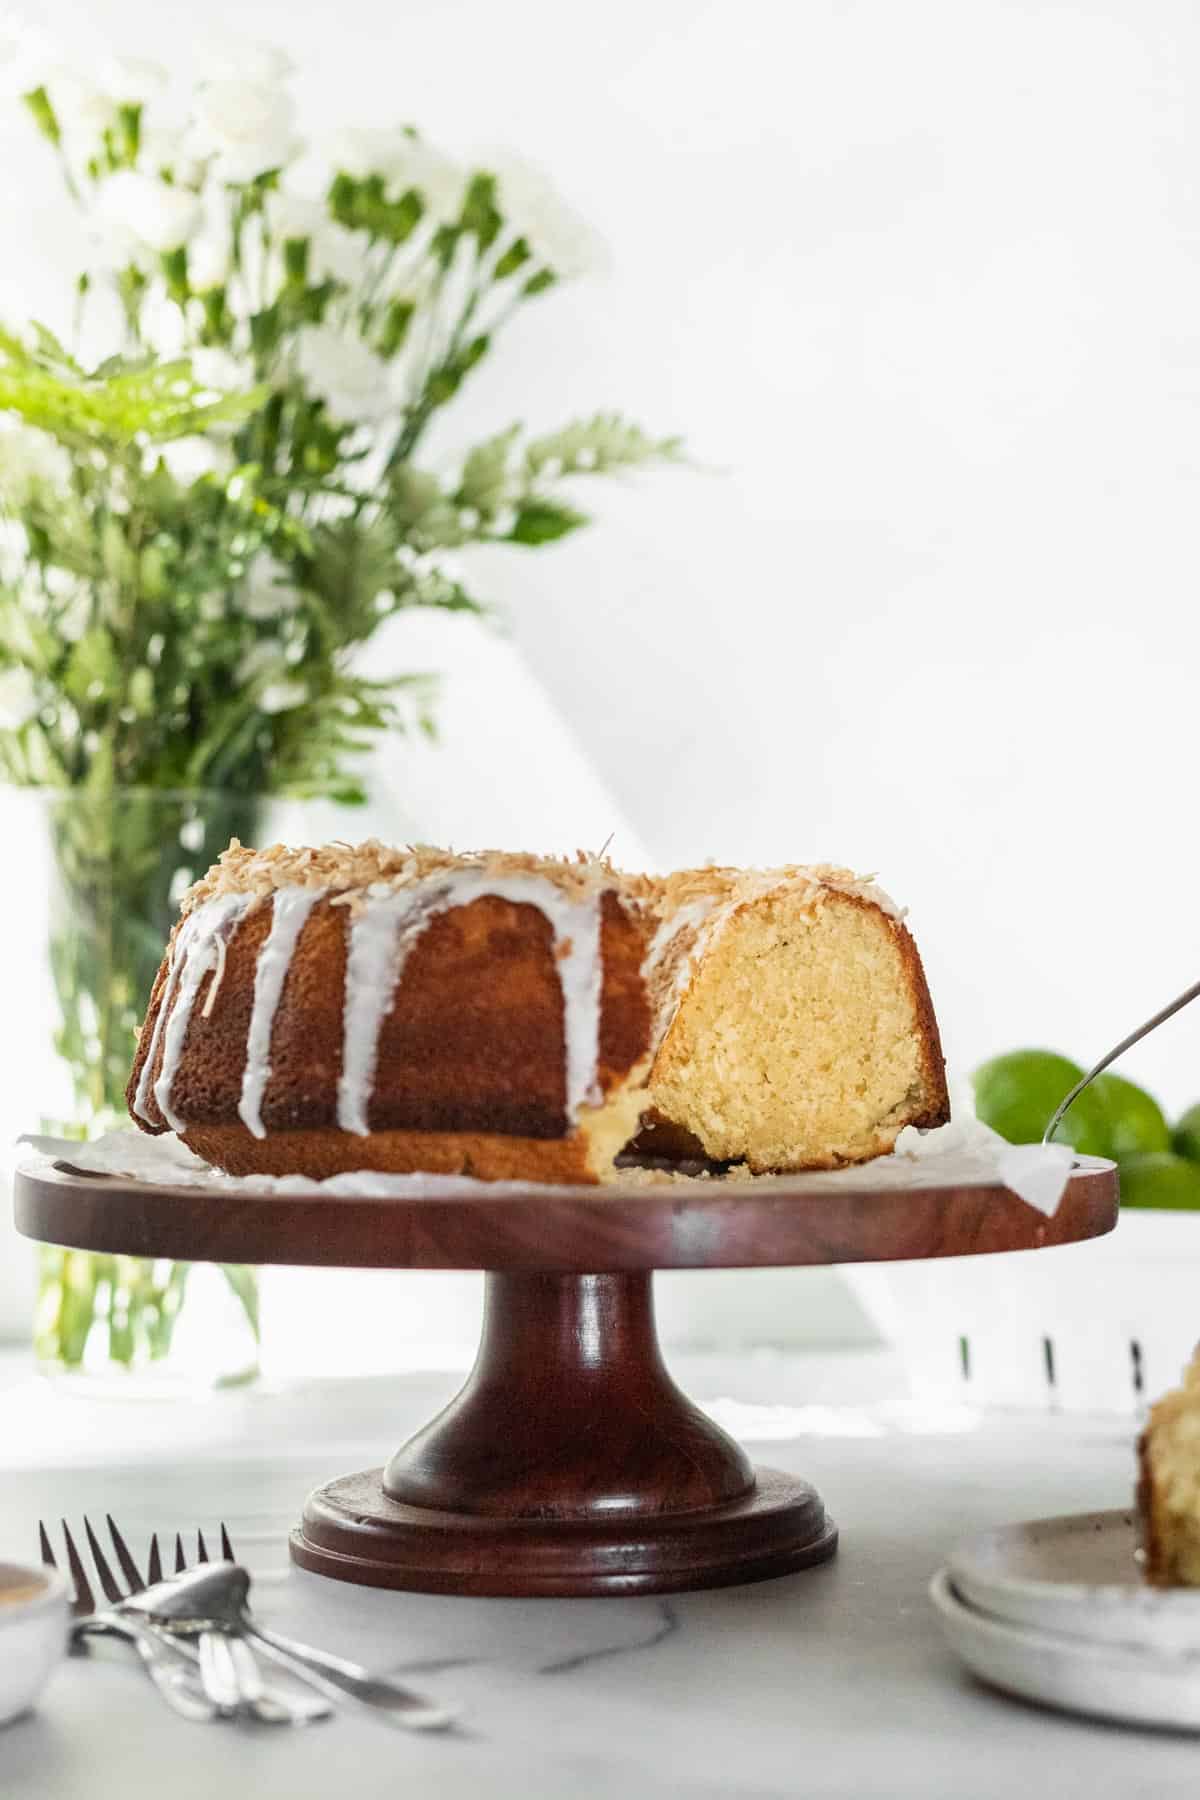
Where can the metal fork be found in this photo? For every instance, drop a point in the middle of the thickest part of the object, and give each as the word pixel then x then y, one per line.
pixel 1126 1043
pixel 202 1684
pixel 175 1675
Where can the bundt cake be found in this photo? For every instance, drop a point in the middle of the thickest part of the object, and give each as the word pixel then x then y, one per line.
pixel 505 1016
pixel 1169 1486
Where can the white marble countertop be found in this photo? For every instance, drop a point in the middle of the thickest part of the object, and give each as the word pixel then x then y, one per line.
pixel 833 1682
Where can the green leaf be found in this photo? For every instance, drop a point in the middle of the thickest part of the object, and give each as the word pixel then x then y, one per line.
pixel 93 666
pixel 174 266
pixel 487 472
pixel 244 1283
pixel 38 102
pixel 141 691
pixel 514 258
pixel 129 133
pixel 112 406
pixel 541 521
pixel 599 444
pixel 394 330
pixel 480 214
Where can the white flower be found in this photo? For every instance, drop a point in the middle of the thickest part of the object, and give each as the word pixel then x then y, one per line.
pixel 282 696
pixel 534 210
pixel 243 59
pixel 14 550
pixel 27 55
pixel 168 148
pixel 439 180
pixel 18 699
pixel 208 261
pixel 354 383
pixel 338 255
pixel 268 593
pixel 292 215
pixel 361 150
pixel 189 458
pixel 333 252
pixel 147 211
pixel 260 659
pixel 248 124
pixel 133 80
pixel 28 460
pixel 81 108
pixel 218 370
pixel 405 162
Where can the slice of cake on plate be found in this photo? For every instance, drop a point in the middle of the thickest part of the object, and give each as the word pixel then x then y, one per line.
pixel 517 1017
pixel 1169 1485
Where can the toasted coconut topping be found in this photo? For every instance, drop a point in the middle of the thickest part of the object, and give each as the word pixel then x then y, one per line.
pixel 349 870
pixel 352 869
pixel 730 887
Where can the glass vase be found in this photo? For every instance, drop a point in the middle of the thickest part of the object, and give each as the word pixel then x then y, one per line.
pixel 115 866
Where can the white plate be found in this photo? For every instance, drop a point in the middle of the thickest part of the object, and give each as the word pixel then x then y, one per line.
pixel 1130 1686
pixel 1078 1576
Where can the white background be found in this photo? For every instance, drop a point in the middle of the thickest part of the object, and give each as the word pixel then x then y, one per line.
pixel 921 285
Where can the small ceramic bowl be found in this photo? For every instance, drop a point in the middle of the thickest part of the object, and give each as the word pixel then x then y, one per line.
pixel 35 1613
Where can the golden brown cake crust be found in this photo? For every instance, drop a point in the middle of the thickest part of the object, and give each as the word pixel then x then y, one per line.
pixel 1154 1561
pixel 488 1156
pixel 477 1044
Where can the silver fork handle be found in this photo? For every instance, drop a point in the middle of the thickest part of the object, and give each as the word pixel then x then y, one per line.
pixel 268 1706
pixel 386 1699
pixel 170 1666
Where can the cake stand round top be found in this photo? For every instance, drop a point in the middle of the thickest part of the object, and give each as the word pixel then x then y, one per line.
pixel 869 1214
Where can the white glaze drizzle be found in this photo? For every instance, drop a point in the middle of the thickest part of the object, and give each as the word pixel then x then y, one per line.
pixel 198 954
pixel 703 918
pixel 386 929
pixel 381 934
pixel 291 908
pixel 178 956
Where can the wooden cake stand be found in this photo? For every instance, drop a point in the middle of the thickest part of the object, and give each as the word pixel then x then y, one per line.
pixel 570 1463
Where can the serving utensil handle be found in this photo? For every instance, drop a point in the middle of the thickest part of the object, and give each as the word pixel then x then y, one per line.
pixel 386 1699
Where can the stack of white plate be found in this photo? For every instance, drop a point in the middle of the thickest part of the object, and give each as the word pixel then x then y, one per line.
pixel 1056 1610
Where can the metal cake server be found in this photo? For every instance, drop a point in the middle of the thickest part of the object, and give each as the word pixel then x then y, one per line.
pixel 1125 1044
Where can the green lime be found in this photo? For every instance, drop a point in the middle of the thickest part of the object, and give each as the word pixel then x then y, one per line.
pixel 1135 1120
pixel 1185 1139
pixel 1017 1094
pixel 1161 1180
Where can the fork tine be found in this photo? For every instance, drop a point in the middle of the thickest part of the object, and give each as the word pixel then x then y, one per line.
pixel 180 1558
pixel 226 1546
pixel 201 1548
pixel 154 1571
pixel 108 1580
pixel 85 1600
pixel 44 1546
pixel 129 1568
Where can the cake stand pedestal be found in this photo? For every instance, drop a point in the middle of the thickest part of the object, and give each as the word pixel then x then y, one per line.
pixel 570 1463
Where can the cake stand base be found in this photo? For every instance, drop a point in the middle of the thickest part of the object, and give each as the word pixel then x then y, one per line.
pixel 570 1463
